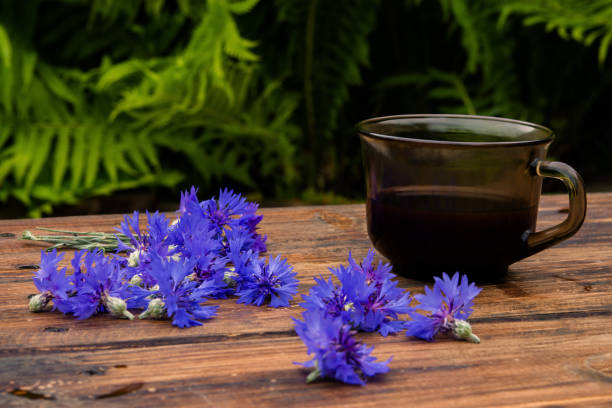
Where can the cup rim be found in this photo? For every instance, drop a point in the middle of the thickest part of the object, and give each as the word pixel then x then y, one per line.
pixel 547 139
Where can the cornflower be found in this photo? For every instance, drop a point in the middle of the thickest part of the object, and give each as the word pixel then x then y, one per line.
pixel 449 304
pixel 274 282
pixel 52 283
pixel 102 288
pixel 177 296
pixel 337 354
pixel 366 297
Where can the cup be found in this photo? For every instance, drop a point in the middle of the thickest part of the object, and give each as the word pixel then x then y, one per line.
pixel 450 193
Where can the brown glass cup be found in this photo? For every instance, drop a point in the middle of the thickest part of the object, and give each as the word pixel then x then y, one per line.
pixel 450 193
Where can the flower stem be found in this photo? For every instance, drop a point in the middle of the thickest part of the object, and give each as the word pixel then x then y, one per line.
pixel 77 239
pixel 127 314
pixel 313 376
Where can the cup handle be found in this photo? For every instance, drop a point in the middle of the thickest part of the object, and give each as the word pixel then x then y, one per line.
pixel 537 241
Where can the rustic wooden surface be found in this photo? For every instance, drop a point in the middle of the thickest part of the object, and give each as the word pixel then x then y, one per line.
pixel 546 332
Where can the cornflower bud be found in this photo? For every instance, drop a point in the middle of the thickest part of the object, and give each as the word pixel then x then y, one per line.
pixel 39 302
pixel 463 330
pixel 136 281
pixel 134 258
pixel 117 307
pixel 229 277
pixel 155 310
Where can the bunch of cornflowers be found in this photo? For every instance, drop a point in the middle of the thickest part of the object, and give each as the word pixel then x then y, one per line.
pixel 366 298
pixel 212 250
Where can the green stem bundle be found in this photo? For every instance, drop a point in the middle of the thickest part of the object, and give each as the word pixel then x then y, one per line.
pixel 77 240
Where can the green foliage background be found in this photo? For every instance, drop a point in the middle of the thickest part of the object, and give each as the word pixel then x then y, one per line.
pixel 102 96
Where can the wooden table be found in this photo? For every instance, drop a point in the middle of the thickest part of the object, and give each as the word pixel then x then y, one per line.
pixel 546 332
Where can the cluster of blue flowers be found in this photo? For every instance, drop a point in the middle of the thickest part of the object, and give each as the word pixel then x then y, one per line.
pixel 368 299
pixel 212 250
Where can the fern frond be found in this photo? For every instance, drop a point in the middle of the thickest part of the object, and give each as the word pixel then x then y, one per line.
pixel 328 46
pixel 580 20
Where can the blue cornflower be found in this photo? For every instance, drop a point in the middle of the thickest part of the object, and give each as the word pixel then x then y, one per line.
pixel 249 221
pixel 193 224
pixel 178 296
pixel 232 212
pixel 193 239
pixel 224 212
pixel 382 308
pixel 377 299
pixel 449 305
pixel 52 283
pixel 102 288
pixel 366 297
pixel 330 299
pixel 274 282
pixel 154 240
pixel 376 274
pixel 186 197
pixel 229 213
pixel 241 258
pixel 337 354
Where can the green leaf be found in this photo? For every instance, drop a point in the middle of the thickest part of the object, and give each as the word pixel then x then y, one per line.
pixel 5 133
pixel 603 48
pixel 110 156
pixel 22 195
pixel 46 192
pixel 25 142
pixel 119 72
pixel 154 7
pixel 6 166
pixel 184 6
pixel 28 65
pixel 56 85
pixel 590 39
pixel 41 149
pixel 6 86
pixel 145 143
pixel 60 159
pixel 444 93
pixel 121 162
pixel 93 155
pixel 136 156
pixel 6 50
pixel 242 7
pixel 78 157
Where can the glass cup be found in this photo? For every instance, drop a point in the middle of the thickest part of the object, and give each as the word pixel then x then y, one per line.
pixel 450 193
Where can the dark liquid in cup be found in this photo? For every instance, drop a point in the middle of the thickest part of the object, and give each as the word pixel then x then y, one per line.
pixel 427 234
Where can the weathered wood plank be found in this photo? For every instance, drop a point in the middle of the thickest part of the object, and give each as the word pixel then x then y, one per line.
pixel 546 332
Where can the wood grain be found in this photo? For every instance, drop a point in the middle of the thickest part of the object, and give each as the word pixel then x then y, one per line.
pixel 546 332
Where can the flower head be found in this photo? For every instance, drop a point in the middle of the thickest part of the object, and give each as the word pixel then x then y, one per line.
pixel 52 283
pixel 180 295
pixel 337 354
pixel 382 308
pixel 448 305
pixel 187 197
pixel 143 244
pixel 241 257
pixel 330 299
pixel 274 282
pixel 366 296
pixel 377 274
pixel 102 288
pixel 230 212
